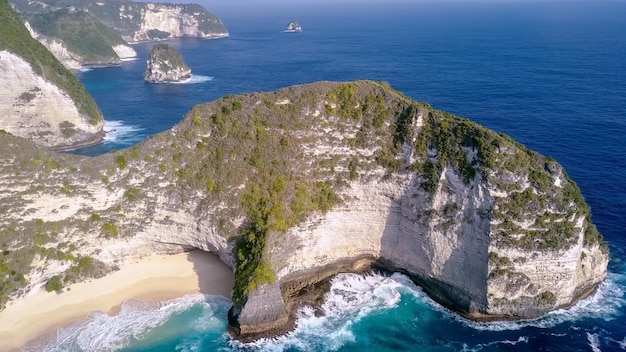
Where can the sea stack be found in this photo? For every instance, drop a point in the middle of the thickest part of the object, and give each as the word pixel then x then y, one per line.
pixel 293 26
pixel 165 65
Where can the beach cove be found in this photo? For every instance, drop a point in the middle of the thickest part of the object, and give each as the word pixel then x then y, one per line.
pixel 150 279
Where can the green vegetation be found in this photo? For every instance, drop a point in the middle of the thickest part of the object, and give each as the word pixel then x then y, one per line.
pixel 15 38
pixel 132 194
pixel 157 34
pixel 546 297
pixel 253 167
pixel 168 58
pixel 121 161
pixel 109 230
pixel 81 33
pixel 54 284
pixel 67 129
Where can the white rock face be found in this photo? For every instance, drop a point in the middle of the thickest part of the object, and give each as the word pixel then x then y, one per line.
pixel 170 19
pixel 450 239
pixel 124 52
pixel 160 72
pixel 35 109
pixel 69 59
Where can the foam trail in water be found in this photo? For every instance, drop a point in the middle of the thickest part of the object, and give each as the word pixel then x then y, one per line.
pixel 118 132
pixel 101 332
pixel 479 347
pixel 195 79
pixel 594 342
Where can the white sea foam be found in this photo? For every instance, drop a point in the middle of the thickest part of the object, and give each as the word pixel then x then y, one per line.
pixel 101 332
pixel 118 132
pixel 351 297
pixel 479 347
pixel 85 69
pixel 594 342
pixel 195 79
pixel 606 303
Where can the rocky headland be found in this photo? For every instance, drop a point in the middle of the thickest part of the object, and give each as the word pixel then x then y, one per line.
pixel 94 33
pixel 166 65
pixel 138 21
pixel 292 187
pixel 39 98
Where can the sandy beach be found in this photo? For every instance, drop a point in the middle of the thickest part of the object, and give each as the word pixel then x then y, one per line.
pixel 153 278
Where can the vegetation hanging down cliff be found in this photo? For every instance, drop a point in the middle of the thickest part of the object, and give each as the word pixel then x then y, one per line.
pixel 287 187
pixel 83 35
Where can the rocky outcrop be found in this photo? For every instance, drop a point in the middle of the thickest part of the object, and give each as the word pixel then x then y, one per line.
pixel 293 26
pixel 165 65
pixel 290 188
pixel 40 99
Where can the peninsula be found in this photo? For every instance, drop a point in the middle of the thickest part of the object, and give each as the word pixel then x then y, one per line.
pixel 291 187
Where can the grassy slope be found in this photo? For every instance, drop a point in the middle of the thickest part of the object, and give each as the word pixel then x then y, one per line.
pixel 81 32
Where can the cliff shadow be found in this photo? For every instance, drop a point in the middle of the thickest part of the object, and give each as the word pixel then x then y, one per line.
pixel 214 276
pixel 441 253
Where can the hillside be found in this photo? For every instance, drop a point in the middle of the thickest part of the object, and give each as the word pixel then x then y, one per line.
pixel 40 99
pixel 291 187
pixel 86 38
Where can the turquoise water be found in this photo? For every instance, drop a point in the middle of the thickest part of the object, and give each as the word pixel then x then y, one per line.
pixel 551 75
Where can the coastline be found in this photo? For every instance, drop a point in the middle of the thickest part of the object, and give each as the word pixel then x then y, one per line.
pixel 152 279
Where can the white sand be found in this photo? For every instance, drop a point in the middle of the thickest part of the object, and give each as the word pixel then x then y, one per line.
pixel 154 278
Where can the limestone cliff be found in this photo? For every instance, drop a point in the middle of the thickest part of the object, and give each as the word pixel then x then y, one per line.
pixel 292 187
pixel 39 98
pixel 139 21
pixel 164 65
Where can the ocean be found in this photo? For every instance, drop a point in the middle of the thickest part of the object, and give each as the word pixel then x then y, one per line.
pixel 551 75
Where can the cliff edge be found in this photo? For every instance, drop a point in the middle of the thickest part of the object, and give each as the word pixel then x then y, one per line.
pixel 39 98
pixel 292 187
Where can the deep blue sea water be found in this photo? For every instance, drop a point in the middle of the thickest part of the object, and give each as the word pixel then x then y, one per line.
pixel 551 75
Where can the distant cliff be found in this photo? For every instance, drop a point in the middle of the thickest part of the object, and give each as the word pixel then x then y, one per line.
pixel 78 39
pixel 138 21
pixel 39 98
pixel 291 187
pixel 165 64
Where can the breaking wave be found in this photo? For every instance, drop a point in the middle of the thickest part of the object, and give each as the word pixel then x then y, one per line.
pixel 118 132
pixel 607 303
pixel 138 323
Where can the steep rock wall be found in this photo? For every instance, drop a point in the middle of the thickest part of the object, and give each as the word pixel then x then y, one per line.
pixel 33 108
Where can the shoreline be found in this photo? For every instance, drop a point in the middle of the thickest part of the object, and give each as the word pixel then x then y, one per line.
pixel 151 279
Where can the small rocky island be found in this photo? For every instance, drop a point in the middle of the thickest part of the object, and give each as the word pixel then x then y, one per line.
pixel 293 26
pixel 166 65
